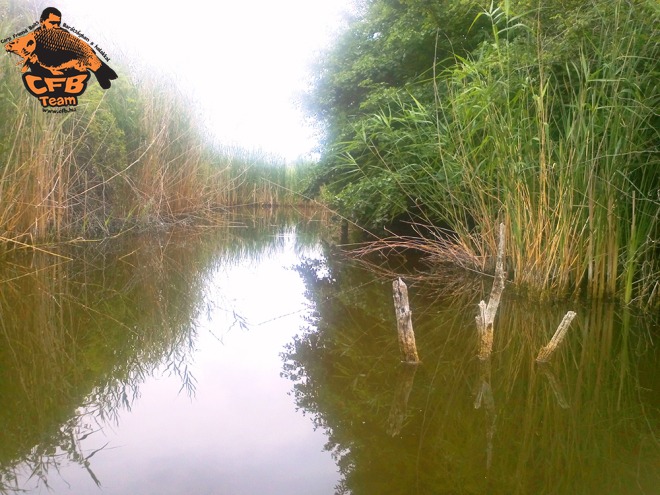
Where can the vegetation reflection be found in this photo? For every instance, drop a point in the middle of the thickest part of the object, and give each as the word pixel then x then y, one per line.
pixel 584 423
pixel 83 328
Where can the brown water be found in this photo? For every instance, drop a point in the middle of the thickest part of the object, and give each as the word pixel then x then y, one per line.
pixel 254 359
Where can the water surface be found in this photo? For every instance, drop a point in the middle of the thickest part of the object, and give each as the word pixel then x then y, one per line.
pixel 256 359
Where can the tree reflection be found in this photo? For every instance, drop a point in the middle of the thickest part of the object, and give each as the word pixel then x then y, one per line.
pixel 585 424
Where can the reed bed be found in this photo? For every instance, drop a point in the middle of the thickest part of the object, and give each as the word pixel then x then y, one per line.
pixel 132 156
pixel 258 178
pixel 562 148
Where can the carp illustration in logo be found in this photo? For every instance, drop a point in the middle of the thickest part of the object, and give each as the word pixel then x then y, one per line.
pixel 51 51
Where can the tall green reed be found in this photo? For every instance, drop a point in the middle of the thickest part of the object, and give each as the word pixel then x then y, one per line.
pixel 262 179
pixel 563 149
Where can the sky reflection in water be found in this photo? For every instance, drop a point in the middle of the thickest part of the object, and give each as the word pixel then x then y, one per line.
pixel 240 432
pixel 120 332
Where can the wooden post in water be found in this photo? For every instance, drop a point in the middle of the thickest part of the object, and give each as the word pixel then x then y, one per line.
pixel 487 312
pixel 546 352
pixel 404 322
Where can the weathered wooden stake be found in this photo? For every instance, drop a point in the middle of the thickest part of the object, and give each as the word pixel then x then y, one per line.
pixel 546 352
pixel 487 312
pixel 404 322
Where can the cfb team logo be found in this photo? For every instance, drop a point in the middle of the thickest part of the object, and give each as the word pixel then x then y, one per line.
pixel 56 64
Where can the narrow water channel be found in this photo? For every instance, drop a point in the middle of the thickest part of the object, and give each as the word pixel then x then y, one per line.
pixel 253 359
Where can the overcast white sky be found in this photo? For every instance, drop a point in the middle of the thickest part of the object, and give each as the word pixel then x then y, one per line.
pixel 246 61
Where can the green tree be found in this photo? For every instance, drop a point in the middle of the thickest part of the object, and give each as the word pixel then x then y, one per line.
pixel 389 45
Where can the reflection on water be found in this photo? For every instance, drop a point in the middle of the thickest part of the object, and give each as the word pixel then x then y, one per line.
pixel 151 365
pixel 585 423
pixel 174 363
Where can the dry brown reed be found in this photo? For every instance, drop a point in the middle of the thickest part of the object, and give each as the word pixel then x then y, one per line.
pixel 122 160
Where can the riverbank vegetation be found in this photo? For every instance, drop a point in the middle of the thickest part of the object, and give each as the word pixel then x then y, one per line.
pixel 132 156
pixel 456 116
